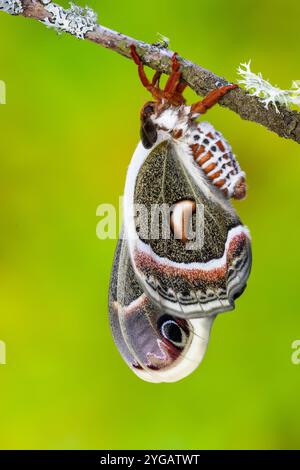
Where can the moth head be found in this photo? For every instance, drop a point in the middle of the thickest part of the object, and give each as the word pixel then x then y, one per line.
pixel 148 127
pixel 148 110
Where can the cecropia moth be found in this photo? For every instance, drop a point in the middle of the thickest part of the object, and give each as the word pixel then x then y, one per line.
pixel 168 283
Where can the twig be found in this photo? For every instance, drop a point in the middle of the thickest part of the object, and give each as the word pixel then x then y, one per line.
pixel 285 124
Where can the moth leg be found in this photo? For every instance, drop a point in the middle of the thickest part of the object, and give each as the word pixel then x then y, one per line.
pixel 211 99
pixel 174 78
pixel 155 91
pixel 174 86
pixel 155 79
pixel 181 87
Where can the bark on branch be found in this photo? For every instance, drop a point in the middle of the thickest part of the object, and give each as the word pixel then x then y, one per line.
pixel 285 124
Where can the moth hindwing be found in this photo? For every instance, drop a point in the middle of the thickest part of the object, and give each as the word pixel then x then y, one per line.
pixel 157 346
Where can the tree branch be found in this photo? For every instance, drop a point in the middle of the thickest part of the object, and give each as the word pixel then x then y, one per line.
pixel 285 124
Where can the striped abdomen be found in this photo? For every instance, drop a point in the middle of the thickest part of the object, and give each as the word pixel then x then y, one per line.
pixel 214 156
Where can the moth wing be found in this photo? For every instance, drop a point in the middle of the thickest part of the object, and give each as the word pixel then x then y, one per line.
pixel 189 283
pixel 158 347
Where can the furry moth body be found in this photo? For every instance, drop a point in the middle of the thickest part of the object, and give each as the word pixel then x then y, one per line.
pixel 164 297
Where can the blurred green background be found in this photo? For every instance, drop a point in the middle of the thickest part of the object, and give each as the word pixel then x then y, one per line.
pixel 68 131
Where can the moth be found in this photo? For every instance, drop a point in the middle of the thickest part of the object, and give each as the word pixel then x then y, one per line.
pixel 164 292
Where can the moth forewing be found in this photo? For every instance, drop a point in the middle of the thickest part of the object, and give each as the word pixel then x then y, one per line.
pixel 184 282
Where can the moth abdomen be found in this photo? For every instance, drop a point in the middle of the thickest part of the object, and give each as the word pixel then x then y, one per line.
pixel 214 156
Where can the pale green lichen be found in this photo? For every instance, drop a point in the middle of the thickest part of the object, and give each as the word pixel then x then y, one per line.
pixel 163 42
pixel 13 7
pixel 76 20
pixel 265 91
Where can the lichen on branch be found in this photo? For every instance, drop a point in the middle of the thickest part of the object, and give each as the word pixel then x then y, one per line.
pixel 13 7
pixel 256 85
pixel 76 20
